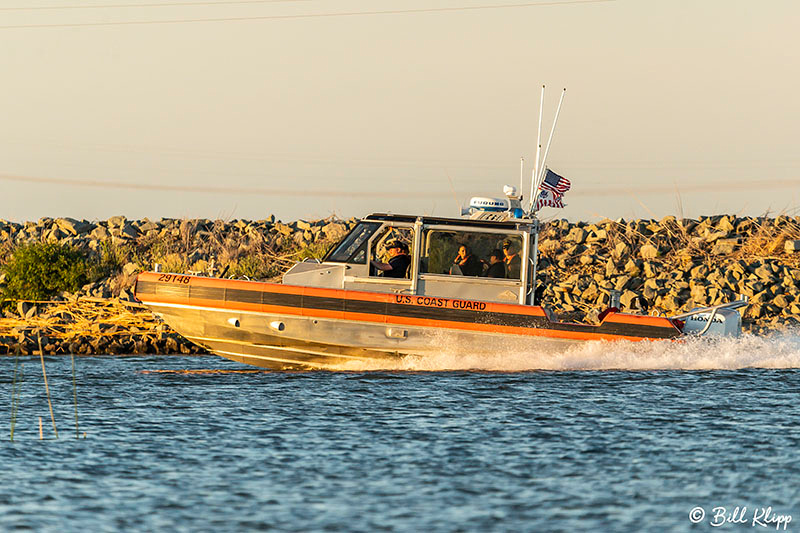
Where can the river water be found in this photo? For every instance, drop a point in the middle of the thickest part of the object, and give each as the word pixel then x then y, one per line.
pixel 605 437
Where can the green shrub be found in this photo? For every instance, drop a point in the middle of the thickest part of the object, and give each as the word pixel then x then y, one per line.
pixel 107 261
pixel 39 271
pixel 251 266
pixel 316 250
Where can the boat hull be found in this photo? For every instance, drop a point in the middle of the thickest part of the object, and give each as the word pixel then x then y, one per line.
pixel 291 327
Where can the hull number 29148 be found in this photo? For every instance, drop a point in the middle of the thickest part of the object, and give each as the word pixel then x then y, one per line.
pixel 174 278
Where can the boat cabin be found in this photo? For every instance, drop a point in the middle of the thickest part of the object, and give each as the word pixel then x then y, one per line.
pixel 438 259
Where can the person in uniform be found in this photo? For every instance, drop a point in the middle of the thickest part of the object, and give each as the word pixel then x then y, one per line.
pixel 399 260
pixel 497 267
pixel 512 260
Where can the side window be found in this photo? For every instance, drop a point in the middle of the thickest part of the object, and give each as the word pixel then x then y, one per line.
pixel 470 254
pixel 384 249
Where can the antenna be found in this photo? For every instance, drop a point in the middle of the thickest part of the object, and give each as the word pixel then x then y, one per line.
pixel 538 180
pixel 453 190
pixel 538 150
pixel 521 175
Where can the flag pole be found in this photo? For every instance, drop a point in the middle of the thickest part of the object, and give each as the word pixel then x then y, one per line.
pixel 538 150
pixel 547 148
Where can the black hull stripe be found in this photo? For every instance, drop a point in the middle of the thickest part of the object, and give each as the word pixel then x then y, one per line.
pixel 227 295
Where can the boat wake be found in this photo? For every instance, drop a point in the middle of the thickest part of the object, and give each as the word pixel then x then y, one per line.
pixel 778 350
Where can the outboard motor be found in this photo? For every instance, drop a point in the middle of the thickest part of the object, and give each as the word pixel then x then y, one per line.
pixel 719 322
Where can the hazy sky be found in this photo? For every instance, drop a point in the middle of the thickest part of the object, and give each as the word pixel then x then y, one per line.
pixel 672 106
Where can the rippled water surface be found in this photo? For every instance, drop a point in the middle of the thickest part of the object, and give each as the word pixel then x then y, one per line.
pixel 605 438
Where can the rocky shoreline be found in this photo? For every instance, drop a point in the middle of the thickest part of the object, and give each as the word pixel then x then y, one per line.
pixel 666 265
pixel 674 265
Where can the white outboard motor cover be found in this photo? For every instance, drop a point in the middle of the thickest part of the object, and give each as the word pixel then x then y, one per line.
pixel 725 323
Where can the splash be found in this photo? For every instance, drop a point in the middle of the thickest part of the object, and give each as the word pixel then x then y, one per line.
pixel 779 350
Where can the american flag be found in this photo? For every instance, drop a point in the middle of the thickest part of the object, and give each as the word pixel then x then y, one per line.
pixel 548 198
pixel 551 191
pixel 554 182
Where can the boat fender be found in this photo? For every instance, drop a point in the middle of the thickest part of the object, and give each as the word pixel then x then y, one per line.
pixel 602 316
pixel 233 322
pixel 277 325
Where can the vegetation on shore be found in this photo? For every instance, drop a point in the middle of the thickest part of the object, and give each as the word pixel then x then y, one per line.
pixel 40 270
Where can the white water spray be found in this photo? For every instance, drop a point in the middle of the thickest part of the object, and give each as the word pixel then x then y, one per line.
pixel 779 350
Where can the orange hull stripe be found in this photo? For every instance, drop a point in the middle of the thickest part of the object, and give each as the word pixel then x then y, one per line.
pixel 403 321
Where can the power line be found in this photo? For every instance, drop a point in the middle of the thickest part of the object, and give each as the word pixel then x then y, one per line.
pixel 593 192
pixel 160 4
pixel 210 189
pixel 309 15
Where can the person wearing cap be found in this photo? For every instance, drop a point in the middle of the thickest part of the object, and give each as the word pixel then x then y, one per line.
pixel 398 260
pixel 497 268
pixel 512 260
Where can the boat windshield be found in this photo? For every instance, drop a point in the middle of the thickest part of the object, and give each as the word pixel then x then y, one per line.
pixel 353 249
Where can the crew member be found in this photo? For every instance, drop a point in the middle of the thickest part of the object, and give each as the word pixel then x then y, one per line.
pixel 398 260
pixel 497 268
pixel 512 260
pixel 469 264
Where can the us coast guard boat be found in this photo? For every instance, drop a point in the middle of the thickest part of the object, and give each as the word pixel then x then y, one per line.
pixel 355 305
pixel 345 308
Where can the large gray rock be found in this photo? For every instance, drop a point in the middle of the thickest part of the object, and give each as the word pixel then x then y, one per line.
pixel 781 301
pixel 303 225
pixel 611 268
pixel 725 246
pixel 792 246
pixel 334 230
pixel 100 233
pixel 648 251
pixel 726 225
pixel 633 268
pixel 128 230
pixel 283 229
pixel 147 225
pixel 764 273
pixel 116 221
pixel 577 235
pixel 598 235
pixel 629 300
pixel 73 227
pixel 129 269
pixel 590 293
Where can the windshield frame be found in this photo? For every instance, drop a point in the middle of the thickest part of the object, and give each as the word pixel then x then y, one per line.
pixel 353 243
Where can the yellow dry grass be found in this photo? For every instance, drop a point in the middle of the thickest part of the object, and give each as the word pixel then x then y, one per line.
pixel 89 317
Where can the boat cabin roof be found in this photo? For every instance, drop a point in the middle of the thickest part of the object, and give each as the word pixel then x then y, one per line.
pixel 441 221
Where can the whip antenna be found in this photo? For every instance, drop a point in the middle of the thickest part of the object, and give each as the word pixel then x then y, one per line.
pixel 538 150
pixel 541 169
